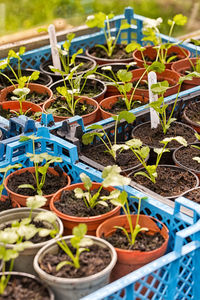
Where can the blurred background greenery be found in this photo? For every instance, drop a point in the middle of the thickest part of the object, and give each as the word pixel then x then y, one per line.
pixel 16 15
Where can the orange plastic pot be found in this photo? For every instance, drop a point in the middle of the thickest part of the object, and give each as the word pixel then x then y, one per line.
pixel 193 124
pixel 151 52
pixel 169 75
pixel 15 106
pixel 87 119
pixel 14 203
pixel 21 199
pixel 130 260
pixel 34 87
pixel 70 222
pixel 181 67
pixel 108 103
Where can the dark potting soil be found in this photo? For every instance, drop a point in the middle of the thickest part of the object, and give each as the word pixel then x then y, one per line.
pixel 121 106
pixel 115 69
pixel 33 97
pixel 81 108
pixel 118 53
pixel 143 241
pixel 91 262
pixel 185 156
pixel 176 58
pixel 7 114
pixel 170 181
pixel 152 137
pixel 4 205
pixel 70 205
pixel 125 159
pixel 52 183
pixel 193 195
pixel 193 112
pixel 24 288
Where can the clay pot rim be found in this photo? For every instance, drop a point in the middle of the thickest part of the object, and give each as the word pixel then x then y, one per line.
pixel 191 122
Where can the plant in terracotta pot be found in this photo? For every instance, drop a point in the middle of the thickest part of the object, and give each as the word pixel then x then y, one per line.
pixel 163 52
pixel 74 266
pixel 36 180
pixel 111 51
pixel 128 232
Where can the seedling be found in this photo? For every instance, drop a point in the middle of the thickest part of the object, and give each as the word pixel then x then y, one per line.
pixel 78 242
pixel 5 171
pixel 112 148
pixel 197 147
pixel 102 20
pixel 142 153
pixel 196 66
pixel 38 159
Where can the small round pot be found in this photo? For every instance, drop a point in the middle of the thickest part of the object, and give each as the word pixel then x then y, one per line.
pixel 169 75
pixel 70 222
pixel 38 88
pixel 192 123
pixel 151 52
pixel 21 199
pixel 103 61
pixel 181 67
pixel 108 103
pixel 74 288
pixel 44 67
pixel 87 119
pixel 50 294
pixel 91 83
pixel 130 260
pixel 26 106
pixel 24 262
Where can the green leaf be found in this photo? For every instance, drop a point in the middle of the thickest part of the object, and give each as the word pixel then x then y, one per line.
pixel 47 216
pixel 103 203
pixel 134 143
pixel 62 264
pixel 134 46
pixel 80 230
pixel 79 193
pixel 144 151
pixel 9 237
pixel 160 87
pixel 171 58
pixel 22 50
pixel 21 92
pixel 180 19
pixel 86 180
pixel 126 115
pixel 124 75
pixel 197 159
pixel 27 231
pixel 26 186
pixel 156 66
pixel 85 242
pixel 112 177
pixel 36 201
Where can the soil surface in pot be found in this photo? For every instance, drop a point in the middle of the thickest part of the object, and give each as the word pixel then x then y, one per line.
pixel 185 157
pixel 170 181
pixel 193 112
pixel 121 106
pixel 152 137
pixel 115 69
pixel 176 57
pixel 143 241
pixel 70 205
pixel 57 109
pixel 118 53
pixel 33 97
pixel 21 288
pixel 7 114
pixel 125 159
pixel 4 205
pixel 52 183
pixel 193 195
pixel 91 262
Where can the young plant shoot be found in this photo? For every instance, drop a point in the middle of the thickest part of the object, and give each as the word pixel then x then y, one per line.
pixel 5 171
pixel 197 158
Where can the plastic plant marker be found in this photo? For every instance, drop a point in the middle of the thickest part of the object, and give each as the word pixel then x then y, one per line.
pixel 152 79
pixel 54 50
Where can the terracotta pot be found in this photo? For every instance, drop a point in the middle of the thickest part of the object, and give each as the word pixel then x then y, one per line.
pixel 185 65
pixel 110 101
pixel 38 88
pixel 44 67
pixel 182 53
pixel 87 119
pixel 15 106
pixel 130 260
pixel 91 83
pixel 193 124
pixel 70 222
pixel 21 199
pixel 15 204
pixel 169 75
pixel 103 61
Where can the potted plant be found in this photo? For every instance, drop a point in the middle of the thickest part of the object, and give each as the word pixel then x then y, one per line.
pixel 37 180
pixel 84 203
pixel 71 275
pixel 110 52
pixel 26 230
pixel 128 232
pixel 164 52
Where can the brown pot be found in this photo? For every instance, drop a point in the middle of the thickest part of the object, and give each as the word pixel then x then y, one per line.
pixel 110 101
pixel 181 53
pixel 87 119
pixel 14 203
pixel 193 124
pixel 15 106
pixel 130 260
pixel 169 75
pixel 38 88
pixel 21 199
pixel 184 65
pixel 70 222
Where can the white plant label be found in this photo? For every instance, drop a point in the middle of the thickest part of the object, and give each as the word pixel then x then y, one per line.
pixel 54 49
pixel 152 79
